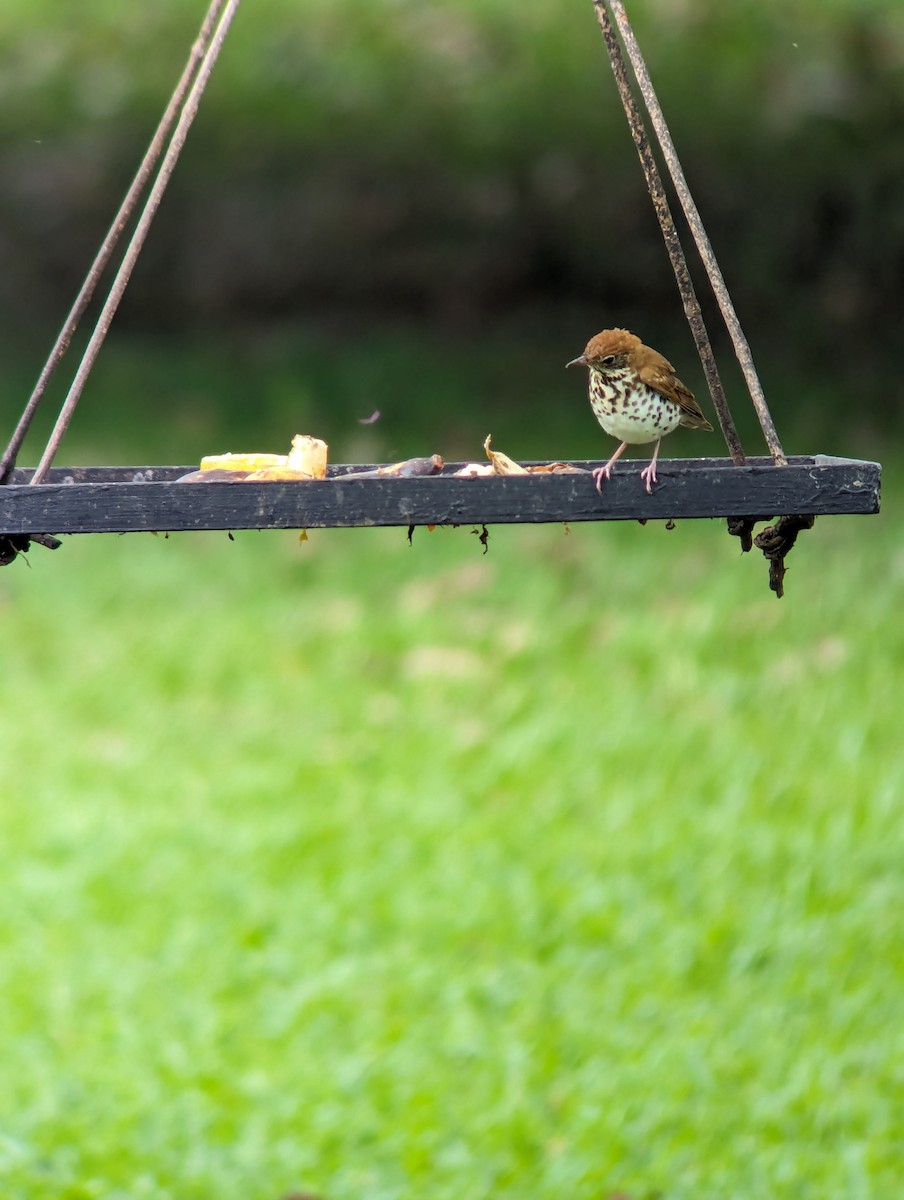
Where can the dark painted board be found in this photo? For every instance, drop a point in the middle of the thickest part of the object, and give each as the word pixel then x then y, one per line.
pixel 108 499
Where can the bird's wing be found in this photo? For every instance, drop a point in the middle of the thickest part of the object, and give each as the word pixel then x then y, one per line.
pixel 659 374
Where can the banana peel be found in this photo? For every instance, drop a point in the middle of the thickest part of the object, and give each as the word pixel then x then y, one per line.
pixel 241 462
pixel 306 460
pixel 308 456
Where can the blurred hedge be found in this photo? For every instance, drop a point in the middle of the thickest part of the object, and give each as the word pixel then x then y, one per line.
pixel 459 160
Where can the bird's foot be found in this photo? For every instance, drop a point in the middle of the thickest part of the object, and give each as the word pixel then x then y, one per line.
pixel 649 476
pixel 601 473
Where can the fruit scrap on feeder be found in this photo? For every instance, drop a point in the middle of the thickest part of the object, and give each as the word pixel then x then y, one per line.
pixel 501 464
pixel 305 461
pixel 241 464
pixel 556 468
pixel 407 469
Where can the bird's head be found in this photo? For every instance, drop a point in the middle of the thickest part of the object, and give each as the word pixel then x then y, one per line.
pixel 608 352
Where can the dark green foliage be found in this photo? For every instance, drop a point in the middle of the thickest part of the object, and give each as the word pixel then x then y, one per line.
pixel 460 156
pixel 461 164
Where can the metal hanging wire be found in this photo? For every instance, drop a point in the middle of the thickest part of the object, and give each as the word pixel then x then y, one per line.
pixel 120 221
pixel 192 84
pixel 603 8
pixel 185 102
pixel 686 288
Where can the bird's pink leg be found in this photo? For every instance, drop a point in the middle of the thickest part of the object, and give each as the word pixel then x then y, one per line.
pixel 648 474
pixel 601 473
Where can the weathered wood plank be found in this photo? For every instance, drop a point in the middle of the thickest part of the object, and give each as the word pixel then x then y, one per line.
pixel 126 499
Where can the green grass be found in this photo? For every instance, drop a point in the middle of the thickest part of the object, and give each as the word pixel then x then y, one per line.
pixel 393 872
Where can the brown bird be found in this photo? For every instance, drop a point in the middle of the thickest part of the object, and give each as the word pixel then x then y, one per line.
pixel 636 396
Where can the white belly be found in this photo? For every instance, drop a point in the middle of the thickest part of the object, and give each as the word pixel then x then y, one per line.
pixel 638 428
pixel 643 416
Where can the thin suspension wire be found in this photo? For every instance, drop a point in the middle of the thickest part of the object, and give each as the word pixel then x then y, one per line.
pixel 120 221
pixel 704 246
pixel 120 282
pixel 692 309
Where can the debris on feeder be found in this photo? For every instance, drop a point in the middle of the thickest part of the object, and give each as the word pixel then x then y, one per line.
pixel 305 461
pixel 475 470
pixel 556 468
pixel 241 464
pixel 407 469
pixel 501 464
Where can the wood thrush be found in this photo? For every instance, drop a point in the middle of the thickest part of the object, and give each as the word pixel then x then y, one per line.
pixel 636 396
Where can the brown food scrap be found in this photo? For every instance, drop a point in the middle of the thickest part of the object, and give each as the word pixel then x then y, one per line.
pixel 742 528
pixel 213 475
pixel 409 468
pixel 278 475
pixel 778 540
pixel 502 464
pixel 418 466
pixel 556 468
pixel 14 544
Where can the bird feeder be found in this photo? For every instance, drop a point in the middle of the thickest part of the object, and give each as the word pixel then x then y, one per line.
pixel 37 504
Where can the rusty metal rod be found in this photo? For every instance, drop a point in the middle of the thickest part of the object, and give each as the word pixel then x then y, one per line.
pixel 704 246
pixel 137 241
pixel 689 299
pixel 120 221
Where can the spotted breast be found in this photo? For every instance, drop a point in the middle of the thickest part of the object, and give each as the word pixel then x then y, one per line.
pixel 630 410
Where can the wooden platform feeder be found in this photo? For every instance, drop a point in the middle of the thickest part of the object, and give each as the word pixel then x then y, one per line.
pixel 132 499
pixel 36 505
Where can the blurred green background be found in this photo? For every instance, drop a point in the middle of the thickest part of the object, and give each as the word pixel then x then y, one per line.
pixel 436 204
pixel 382 872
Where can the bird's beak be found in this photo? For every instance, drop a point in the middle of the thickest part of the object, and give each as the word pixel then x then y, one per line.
pixel 577 362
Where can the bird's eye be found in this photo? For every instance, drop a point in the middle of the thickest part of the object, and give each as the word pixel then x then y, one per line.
pixel 608 360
